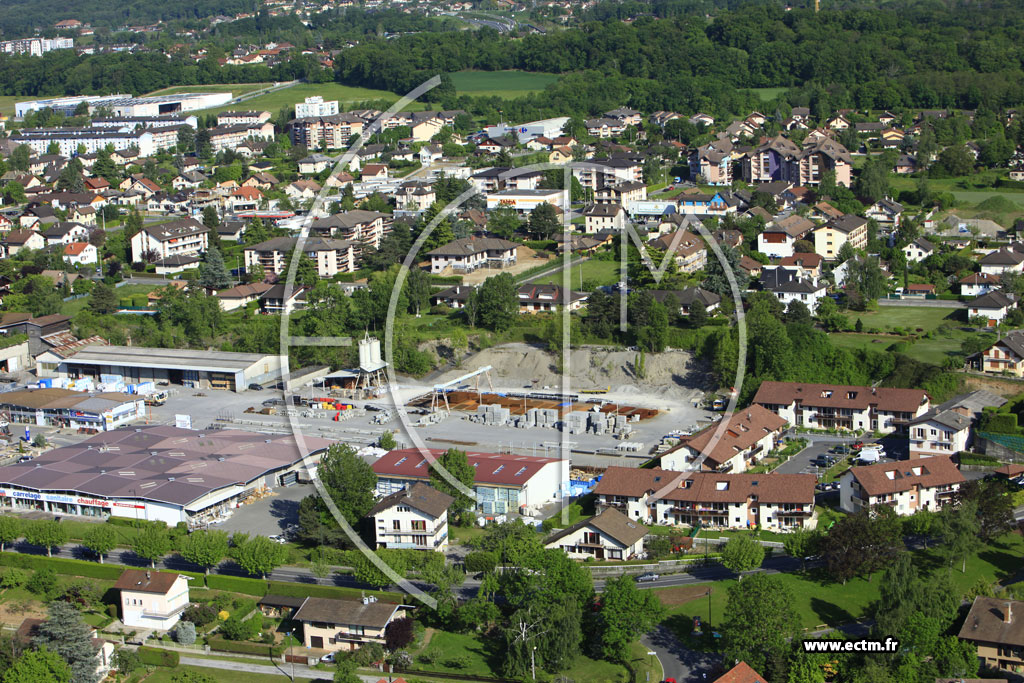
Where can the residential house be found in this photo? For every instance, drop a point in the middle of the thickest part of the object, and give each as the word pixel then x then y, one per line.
pixel 185 237
pixel 245 199
pixel 977 284
pixel 608 535
pixel 1005 355
pixel 274 302
pixel 793 284
pixel 741 673
pixel 907 485
pixel 1003 259
pixel 624 193
pixel 686 248
pixel 452 297
pixel 684 299
pixel 749 435
pixel 994 307
pixel 629 117
pixel 948 427
pixel 314 163
pixel 808 264
pixel 605 127
pixel 241 295
pixel 751 266
pixel 996 627
pixel 343 625
pixel 80 254
pixel 778 237
pixel 919 289
pixel 152 599
pixel 415 196
pixel 601 217
pixel 16 240
pixel 534 298
pixel 470 253
pixel 834 406
pixel 905 164
pixel 365 229
pixel 705 120
pixel 378 171
pixel 302 190
pixel 65 232
pixel 918 250
pixel 415 517
pixel 188 180
pixel 823 211
pixel 430 154
pixel 175 263
pixel 886 212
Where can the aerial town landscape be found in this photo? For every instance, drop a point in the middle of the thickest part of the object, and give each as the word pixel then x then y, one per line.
pixel 573 341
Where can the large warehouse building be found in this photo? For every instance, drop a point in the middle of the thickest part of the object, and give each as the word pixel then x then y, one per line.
pixel 72 409
pixel 158 473
pixel 187 367
pixel 126 105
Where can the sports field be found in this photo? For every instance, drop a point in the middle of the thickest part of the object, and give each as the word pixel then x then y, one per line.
pixel 507 84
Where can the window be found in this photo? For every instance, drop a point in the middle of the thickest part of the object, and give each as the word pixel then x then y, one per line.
pixel 419 525
pixel 396 525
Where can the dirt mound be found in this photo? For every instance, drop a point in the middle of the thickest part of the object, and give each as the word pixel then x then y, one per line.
pixel 669 374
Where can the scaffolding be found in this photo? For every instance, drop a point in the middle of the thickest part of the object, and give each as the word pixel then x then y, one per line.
pixel 439 394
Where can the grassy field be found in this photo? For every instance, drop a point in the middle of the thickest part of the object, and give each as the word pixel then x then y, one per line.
pixel 768 94
pixel 76 305
pixel 507 84
pixel 236 89
pixel 594 272
pixel 924 318
pixel 346 96
pixel 162 675
pixel 7 103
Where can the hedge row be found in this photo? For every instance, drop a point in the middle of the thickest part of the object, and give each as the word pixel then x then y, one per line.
pixel 446 279
pixel 237 584
pixel 302 590
pixel 92 570
pixel 154 656
pixel 222 644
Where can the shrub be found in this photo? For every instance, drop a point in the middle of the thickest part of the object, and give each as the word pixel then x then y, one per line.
pixel 481 561
pixel 151 656
pixel 62 565
pixel 237 584
pixel 185 632
pixel 200 614
pixel 368 654
pixel 13 577
pixel 223 615
pixel 223 601
pixel 237 629
pixel 221 644
pixel 43 582
pixel 399 633
pixel 303 590
pixel 126 661
pixel 112 611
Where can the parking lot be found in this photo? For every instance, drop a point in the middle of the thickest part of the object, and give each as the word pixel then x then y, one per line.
pixel 268 516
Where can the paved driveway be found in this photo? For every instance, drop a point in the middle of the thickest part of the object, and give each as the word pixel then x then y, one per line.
pixel 271 515
pixel 679 662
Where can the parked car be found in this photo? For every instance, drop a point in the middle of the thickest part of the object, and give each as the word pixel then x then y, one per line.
pixel 649 576
pixel 255 387
pixel 328 658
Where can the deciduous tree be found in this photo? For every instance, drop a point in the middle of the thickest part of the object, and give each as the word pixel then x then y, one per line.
pixel 152 544
pixel 100 539
pixel 205 547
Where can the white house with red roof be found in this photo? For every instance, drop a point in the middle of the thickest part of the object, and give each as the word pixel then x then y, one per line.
pixel 80 254
pixel 503 482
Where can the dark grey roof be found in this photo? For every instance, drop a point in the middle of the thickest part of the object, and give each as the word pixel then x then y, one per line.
pixel 472 245
pixel 994 300
pixel 351 612
pixel 419 496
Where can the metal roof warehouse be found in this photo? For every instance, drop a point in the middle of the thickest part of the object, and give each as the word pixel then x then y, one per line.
pixel 158 473
pixel 74 409
pixel 191 368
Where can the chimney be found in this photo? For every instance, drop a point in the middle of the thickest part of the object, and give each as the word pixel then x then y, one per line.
pixel 147 575
pixel 1008 614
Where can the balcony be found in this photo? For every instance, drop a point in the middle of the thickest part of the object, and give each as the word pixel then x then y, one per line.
pixel 796 512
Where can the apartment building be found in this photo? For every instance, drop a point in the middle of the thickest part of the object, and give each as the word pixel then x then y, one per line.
pixel 713 162
pixel 365 229
pixel 242 118
pixel 768 162
pixel 907 486
pixel 534 298
pixel 948 428
pixel 778 238
pixel 331 256
pixel 415 517
pixel 177 238
pixel 686 248
pixel 747 436
pixel 793 284
pixel 830 238
pixel 333 131
pixel 598 174
pixel 68 140
pixel 470 253
pixel 819 156
pixel 600 217
pixel 733 501
pixel 833 406
pixel 315 106
pixel 230 137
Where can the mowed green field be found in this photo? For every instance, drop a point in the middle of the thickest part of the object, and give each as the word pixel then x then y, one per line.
pixel 595 272
pixel 507 84
pixel 768 94
pixel 913 317
pixel 7 103
pixel 236 89
pixel 345 94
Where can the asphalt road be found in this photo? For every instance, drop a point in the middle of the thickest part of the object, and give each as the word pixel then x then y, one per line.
pixel 679 662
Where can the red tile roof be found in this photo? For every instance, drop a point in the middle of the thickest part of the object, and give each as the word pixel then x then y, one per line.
pixel 893 477
pixel 840 396
pixel 75 248
pixel 744 429
pixel 741 673
pixel 491 468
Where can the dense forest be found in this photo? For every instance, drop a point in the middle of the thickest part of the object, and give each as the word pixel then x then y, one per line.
pixel 893 55
pixel 19 17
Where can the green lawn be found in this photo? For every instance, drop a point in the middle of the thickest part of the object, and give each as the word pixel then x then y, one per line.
pixel 591 271
pixel 481 659
pixel 236 89
pixel 507 84
pixel 909 317
pixel 346 96
pixel 7 103
pixel 768 94
pixel 76 305
pixel 162 675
